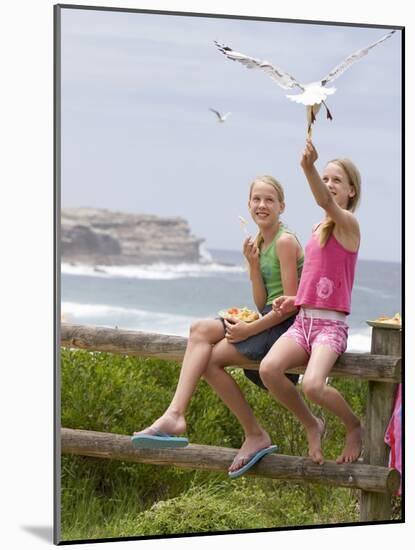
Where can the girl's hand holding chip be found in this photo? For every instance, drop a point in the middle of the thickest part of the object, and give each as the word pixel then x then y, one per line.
pixel 251 252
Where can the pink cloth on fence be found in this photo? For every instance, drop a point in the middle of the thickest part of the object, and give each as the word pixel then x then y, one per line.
pixel 393 435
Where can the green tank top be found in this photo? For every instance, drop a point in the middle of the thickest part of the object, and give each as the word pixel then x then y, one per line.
pixel 271 269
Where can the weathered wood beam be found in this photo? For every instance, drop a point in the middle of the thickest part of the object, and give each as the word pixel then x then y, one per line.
pixel 364 366
pixel 379 407
pixel 217 459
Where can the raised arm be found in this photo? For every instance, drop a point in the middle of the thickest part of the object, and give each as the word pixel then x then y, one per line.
pixel 324 193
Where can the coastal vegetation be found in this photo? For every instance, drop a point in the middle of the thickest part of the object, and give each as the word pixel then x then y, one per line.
pixel 109 499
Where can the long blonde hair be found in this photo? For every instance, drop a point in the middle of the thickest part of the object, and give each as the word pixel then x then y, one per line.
pixel 259 239
pixel 353 175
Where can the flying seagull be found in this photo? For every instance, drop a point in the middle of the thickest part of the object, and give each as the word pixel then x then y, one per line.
pixel 312 94
pixel 221 118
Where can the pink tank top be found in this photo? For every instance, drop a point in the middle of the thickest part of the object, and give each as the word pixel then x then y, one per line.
pixel 328 274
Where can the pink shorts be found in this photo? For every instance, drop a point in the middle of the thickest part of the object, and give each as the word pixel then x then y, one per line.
pixel 310 330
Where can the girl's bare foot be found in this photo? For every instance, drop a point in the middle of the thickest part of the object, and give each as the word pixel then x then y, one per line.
pixel 252 444
pixel 314 434
pixel 353 446
pixel 169 423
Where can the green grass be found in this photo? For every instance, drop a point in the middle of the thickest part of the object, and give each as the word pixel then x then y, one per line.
pixel 106 499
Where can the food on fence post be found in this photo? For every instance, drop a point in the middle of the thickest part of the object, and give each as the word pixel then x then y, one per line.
pixel 396 319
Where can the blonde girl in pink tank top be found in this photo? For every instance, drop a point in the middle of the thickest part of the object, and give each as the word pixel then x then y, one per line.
pixel 319 333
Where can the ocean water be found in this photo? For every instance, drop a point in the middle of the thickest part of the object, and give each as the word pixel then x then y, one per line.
pixel 167 298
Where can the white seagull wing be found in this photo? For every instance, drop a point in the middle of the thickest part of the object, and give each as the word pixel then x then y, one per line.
pixel 348 62
pixel 281 77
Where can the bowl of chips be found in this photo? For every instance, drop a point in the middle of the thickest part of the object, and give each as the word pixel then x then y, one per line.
pixel 239 313
pixel 387 322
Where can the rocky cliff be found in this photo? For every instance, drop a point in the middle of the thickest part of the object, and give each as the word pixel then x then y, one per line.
pixel 103 237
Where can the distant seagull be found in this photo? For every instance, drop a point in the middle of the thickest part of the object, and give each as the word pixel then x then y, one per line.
pixel 221 118
pixel 314 93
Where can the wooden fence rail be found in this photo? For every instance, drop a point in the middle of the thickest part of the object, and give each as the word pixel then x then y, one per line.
pixel 364 366
pixel 217 459
pixel 381 368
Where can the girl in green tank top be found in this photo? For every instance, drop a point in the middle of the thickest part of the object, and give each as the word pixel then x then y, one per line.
pixel 274 261
pixel 271 267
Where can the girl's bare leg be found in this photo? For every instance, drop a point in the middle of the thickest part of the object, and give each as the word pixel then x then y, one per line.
pixel 283 355
pixel 315 388
pixel 203 335
pixel 256 438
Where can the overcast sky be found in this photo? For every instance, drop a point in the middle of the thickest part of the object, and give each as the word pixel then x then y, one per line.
pixel 138 136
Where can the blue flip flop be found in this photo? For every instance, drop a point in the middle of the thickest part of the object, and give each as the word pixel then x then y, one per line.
pixel 158 440
pixel 253 459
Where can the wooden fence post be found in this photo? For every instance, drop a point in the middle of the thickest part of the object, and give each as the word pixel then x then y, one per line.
pixel 377 507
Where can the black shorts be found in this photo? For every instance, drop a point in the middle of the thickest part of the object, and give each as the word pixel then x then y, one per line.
pixel 256 347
